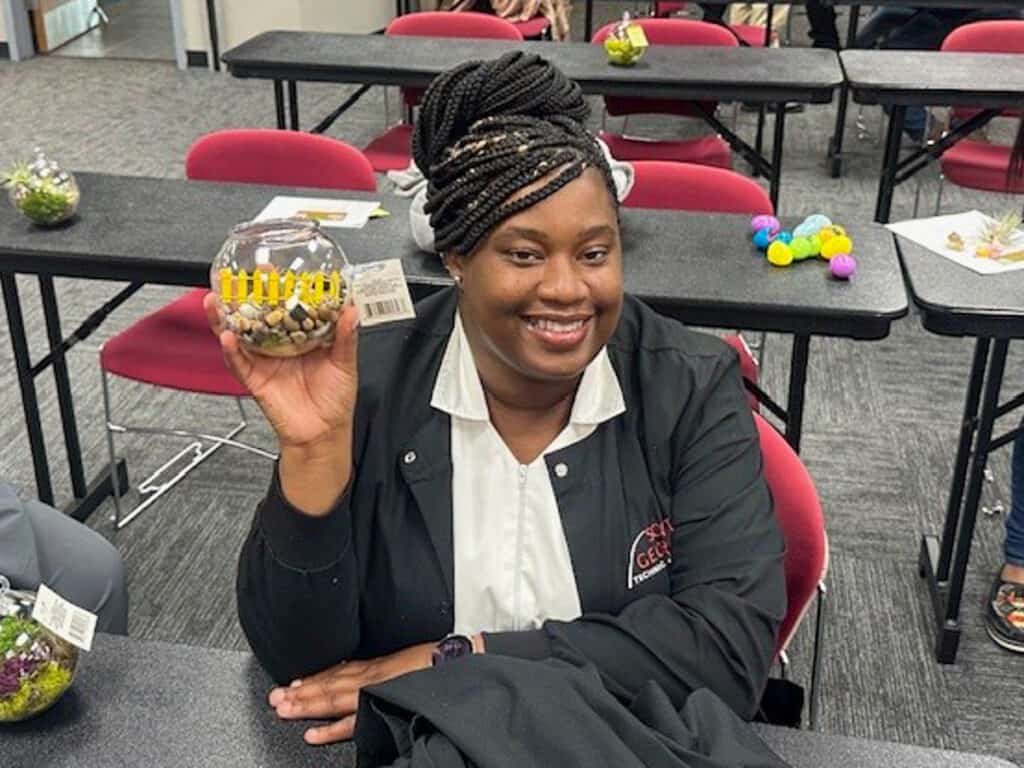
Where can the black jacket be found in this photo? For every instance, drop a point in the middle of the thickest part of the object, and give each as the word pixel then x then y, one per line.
pixel 669 524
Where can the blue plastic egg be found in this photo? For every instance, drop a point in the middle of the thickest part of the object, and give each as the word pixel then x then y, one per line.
pixel 763 238
pixel 785 236
pixel 812 225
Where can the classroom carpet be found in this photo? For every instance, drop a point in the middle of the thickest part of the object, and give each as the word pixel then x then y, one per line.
pixel 880 424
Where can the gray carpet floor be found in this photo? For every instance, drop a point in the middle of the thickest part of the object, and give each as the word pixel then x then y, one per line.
pixel 880 423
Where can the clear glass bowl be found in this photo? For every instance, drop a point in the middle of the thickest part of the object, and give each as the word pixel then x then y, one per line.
pixel 43 191
pixel 281 285
pixel 36 666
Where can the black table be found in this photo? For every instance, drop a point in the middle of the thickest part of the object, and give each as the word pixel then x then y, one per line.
pixel 156 704
pixel 697 268
pixel 754 75
pixel 955 301
pixel 899 79
pixel 835 145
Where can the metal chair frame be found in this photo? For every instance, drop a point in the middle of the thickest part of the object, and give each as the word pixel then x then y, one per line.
pixel 151 488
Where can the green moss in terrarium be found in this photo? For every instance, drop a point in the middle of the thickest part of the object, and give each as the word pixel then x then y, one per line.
pixel 42 191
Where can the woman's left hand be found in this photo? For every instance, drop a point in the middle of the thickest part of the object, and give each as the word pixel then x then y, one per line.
pixel 334 693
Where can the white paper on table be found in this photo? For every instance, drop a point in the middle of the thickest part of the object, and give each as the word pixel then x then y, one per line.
pixel 932 233
pixel 347 214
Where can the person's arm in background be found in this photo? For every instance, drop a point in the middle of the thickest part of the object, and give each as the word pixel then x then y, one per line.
pixel 718 628
pixel 1016 169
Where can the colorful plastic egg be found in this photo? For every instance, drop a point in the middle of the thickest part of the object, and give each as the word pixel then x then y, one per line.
pixel 842 266
pixel 763 238
pixel 780 254
pixel 832 230
pixel 785 236
pixel 765 221
pixel 801 248
pixel 812 225
pixel 815 242
pixel 835 245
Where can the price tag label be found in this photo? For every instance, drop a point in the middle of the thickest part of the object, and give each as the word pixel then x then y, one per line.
pixel 380 293
pixel 64 619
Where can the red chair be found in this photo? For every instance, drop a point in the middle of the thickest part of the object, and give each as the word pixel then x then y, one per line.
pixel 706 150
pixel 173 347
pixel 689 187
pixel 392 150
pixel 798 510
pixel 977 164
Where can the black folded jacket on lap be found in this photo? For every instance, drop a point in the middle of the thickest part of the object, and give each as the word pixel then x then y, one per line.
pixel 505 712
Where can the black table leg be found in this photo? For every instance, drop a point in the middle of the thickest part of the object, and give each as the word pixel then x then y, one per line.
pixel 946 601
pixel 835 144
pixel 963 456
pixel 63 385
pixel 26 382
pixel 588 21
pixel 887 181
pixel 776 177
pixel 279 104
pixel 293 105
pixel 759 138
pixel 797 385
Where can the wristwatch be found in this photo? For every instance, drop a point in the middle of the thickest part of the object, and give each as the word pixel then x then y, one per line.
pixel 452 647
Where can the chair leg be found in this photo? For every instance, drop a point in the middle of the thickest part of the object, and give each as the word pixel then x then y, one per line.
pixel 938 196
pixel 116 517
pixel 917 197
pixel 819 635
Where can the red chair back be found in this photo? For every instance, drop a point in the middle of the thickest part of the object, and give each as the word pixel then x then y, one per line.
pixel 482 26
pixel 798 510
pixel 691 187
pixel 668 32
pixel 1002 36
pixel 288 158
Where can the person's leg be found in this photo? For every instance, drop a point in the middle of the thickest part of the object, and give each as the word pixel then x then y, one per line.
pixel 880 24
pixel 822 19
pixel 1014 545
pixel 79 565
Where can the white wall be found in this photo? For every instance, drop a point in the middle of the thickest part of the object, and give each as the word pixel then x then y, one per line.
pixel 3 29
pixel 238 20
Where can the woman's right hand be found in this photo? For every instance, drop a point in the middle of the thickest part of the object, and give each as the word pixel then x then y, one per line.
pixel 309 402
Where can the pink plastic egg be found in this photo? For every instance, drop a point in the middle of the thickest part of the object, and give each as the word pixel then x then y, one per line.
pixel 842 266
pixel 764 221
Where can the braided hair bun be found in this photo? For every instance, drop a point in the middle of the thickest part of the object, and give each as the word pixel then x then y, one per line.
pixel 489 129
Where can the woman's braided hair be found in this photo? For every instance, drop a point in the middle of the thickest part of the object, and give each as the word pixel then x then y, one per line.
pixel 488 129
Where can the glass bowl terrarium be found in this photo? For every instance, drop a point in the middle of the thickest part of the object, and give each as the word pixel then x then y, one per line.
pixel 36 666
pixel 43 191
pixel 281 285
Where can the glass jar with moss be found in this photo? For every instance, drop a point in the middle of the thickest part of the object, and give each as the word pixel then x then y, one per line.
pixel 36 666
pixel 43 191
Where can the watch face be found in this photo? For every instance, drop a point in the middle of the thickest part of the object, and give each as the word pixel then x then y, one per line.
pixel 452 647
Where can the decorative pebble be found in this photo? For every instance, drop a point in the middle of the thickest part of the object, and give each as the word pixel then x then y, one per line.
pixel 308 324
pixel 274 318
pixel 780 254
pixel 812 225
pixel 765 221
pixel 801 248
pixel 842 266
pixel 291 324
pixel 249 312
pixel 324 313
pixel 762 238
pixel 298 337
pixel 836 245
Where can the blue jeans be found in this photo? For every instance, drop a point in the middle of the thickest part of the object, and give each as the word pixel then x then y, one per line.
pixel 1015 520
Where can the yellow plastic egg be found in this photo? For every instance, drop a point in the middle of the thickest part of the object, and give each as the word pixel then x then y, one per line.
pixel 780 254
pixel 832 230
pixel 836 244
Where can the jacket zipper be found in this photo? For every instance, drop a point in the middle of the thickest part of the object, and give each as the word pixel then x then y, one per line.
pixel 519 549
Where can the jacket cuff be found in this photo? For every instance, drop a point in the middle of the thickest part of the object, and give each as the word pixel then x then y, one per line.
pixel 299 541
pixel 531 644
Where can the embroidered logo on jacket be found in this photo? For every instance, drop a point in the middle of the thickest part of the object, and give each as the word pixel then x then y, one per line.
pixel 651 552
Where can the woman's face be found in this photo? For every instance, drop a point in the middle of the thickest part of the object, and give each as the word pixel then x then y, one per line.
pixel 543 293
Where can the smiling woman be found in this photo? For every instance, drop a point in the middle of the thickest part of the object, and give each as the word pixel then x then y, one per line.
pixel 537 466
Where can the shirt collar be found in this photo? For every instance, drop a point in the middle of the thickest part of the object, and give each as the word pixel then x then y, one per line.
pixel 458 391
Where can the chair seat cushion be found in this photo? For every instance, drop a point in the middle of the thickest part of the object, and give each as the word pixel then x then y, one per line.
pixel 706 150
pixel 392 150
pixel 668 8
pixel 173 347
pixel 534 27
pixel 977 165
pixel 750 34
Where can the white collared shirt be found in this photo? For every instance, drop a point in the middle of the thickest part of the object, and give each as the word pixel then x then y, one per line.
pixel 512 565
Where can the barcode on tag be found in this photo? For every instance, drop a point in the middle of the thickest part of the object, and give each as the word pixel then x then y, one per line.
pixel 381 294
pixel 64 619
